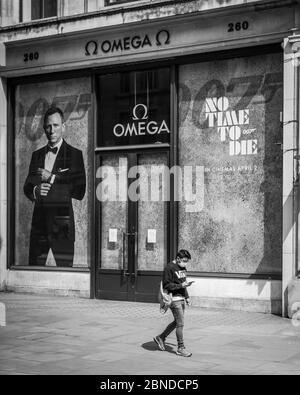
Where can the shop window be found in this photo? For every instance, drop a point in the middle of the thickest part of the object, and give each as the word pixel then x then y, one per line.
pixel 134 108
pixel 43 9
pixel 125 83
pixel 52 230
pixel 230 128
pixel 40 9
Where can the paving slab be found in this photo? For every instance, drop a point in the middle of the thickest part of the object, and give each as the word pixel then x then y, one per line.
pixel 71 336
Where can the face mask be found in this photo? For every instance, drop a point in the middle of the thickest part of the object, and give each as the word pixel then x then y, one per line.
pixel 182 263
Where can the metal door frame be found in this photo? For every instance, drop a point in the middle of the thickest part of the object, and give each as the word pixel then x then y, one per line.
pixel 131 271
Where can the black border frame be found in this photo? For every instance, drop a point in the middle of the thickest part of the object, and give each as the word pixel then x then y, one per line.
pixel 11 85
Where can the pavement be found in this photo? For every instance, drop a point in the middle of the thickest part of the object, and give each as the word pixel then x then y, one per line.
pixel 71 336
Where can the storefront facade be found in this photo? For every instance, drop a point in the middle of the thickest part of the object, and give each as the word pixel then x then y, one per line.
pixel 187 125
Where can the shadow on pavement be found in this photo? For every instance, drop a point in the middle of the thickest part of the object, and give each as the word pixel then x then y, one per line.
pixel 152 346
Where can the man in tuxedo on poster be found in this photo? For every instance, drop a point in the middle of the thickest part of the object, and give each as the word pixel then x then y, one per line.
pixel 56 176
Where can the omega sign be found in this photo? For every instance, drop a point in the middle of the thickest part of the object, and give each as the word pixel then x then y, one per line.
pixel 127 43
pixel 141 127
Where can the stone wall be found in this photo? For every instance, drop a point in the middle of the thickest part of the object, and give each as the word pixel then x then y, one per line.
pixel 9 12
pixel 139 10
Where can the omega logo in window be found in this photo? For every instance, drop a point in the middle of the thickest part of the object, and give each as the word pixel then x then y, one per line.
pixel 128 43
pixel 140 126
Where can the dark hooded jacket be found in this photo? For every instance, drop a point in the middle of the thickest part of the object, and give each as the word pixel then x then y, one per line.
pixel 173 278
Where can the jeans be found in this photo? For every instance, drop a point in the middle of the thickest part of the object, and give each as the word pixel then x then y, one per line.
pixel 177 309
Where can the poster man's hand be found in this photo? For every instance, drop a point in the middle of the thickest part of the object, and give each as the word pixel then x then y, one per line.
pixel 45 174
pixel 43 189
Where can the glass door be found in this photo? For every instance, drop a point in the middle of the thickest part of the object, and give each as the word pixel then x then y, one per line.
pixel 152 224
pixel 132 224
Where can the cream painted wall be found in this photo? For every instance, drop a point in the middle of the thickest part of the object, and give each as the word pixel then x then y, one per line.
pixel 9 12
pixel 235 288
pixel 3 181
pixel 262 296
pixel 71 7
pixel 26 10
pixel 247 295
pixel 94 5
pixel 289 144
pixel 50 283
pixel 10 8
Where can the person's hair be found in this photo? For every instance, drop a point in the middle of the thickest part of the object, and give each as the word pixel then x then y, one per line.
pixel 51 111
pixel 183 254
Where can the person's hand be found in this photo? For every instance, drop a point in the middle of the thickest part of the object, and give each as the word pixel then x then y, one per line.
pixel 45 174
pixel 43 189
pixel 188 301
pixel 185 284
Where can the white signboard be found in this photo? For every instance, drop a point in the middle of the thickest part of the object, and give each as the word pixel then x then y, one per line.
pixel 113 235
pixel 151 236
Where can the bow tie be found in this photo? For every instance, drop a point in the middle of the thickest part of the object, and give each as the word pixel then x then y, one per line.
pixel 53 150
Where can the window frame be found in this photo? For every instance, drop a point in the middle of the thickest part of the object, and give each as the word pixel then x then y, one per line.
pixel 25 10
pixel 25 7
pixel 109 3
pixel 11 172
pixel 41 10
pixel 151 69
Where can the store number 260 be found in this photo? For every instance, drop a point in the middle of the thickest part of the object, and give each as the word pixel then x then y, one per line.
pixel 29 57
pixel 238 26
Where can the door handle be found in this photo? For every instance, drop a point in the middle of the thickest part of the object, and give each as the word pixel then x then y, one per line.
pixel 125 272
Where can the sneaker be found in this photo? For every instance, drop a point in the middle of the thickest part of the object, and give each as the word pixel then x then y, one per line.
pixel 159 341
pixel 183 353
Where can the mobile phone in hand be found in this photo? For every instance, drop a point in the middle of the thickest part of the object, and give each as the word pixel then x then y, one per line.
pixel 190 283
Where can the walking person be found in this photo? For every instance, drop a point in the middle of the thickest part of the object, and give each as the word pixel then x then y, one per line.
pixel 175 282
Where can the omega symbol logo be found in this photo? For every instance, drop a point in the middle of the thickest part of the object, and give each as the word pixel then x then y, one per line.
pixel 140 111
pixel 91 48
pixel 165 34
pixel 141 125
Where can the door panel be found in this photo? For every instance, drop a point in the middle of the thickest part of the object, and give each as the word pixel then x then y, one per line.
pixel 112 218
pixel 133 226
pixel 152 223
pixel 113 221
pixel 152 215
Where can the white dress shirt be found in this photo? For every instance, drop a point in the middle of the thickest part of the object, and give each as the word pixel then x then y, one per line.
pixel 50 157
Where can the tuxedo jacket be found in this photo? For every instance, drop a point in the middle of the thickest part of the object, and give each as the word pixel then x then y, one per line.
pixel 53 215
